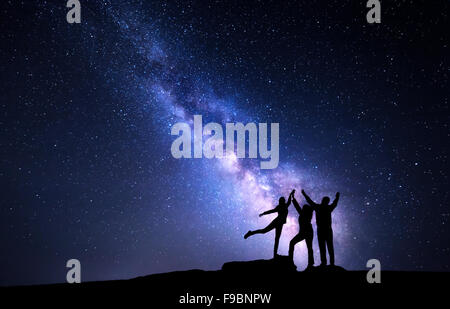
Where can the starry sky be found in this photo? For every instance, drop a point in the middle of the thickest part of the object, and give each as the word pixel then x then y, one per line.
pixel 86 111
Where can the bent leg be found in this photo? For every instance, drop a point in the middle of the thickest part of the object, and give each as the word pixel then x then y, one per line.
pixel 297 238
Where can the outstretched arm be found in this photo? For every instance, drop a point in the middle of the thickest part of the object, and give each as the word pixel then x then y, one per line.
pixel 336 200
pixel 309 200
pixel 268 212
pixel 296 205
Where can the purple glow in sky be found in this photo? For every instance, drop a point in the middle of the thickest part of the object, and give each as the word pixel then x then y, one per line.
pixel 253 190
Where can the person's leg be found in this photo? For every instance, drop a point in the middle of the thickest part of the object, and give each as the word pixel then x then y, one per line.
pixel 309 241
pixel 330 246
pixel 268 228
pixel 322 248
pixel 277 239
pixel 297 238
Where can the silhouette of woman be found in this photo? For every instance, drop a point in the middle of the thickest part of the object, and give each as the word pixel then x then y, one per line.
pixel 306 231
pixel 277 223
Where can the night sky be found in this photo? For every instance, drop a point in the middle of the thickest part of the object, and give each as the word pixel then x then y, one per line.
pixel 86 110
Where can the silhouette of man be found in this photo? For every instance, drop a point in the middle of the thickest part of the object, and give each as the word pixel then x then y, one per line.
pixel 324 229
pixel 277 223
pixel 306 231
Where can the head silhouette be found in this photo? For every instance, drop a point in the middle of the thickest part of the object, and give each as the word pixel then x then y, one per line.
pixel 282 201
pixel 325 200
pixel 307 209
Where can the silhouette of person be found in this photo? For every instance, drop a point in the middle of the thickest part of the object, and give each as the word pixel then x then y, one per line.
pixel 324 229
pixel 277 223
pixel 306 231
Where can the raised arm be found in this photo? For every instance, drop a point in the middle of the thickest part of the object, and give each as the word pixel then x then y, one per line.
pixel 296 205
pixel 269 212
pixel 289 199
pixel 336 200
pixel 309 200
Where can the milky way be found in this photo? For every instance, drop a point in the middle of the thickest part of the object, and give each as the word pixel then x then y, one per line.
pixel 252 190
